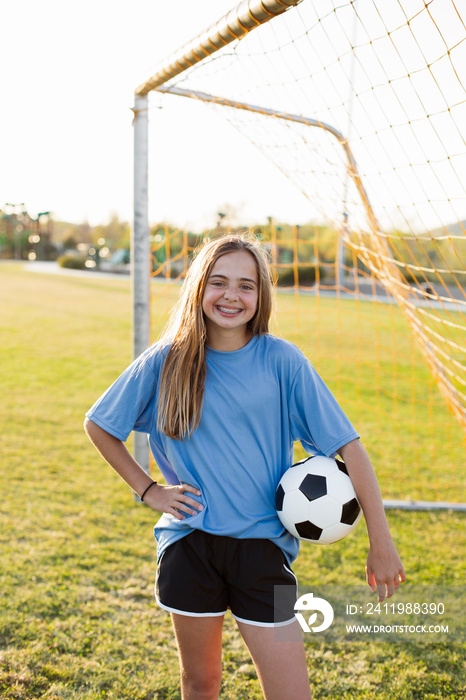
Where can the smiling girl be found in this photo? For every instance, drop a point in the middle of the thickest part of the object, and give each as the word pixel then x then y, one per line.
pixel 223 402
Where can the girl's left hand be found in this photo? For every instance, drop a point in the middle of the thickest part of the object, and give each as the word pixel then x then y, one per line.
pixel 384 570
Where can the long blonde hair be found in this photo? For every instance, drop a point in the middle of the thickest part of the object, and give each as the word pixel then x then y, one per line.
pixel 184 369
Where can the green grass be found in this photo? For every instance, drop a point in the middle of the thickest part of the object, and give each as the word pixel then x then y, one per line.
pixel 77 617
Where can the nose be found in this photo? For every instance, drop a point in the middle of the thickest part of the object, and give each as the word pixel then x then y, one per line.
pixel 230 293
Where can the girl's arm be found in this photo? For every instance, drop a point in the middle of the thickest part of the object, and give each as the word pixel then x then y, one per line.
pixel 384 569
pixel 165 499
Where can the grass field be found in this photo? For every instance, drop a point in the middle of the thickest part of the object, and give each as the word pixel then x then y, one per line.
pixel 77 617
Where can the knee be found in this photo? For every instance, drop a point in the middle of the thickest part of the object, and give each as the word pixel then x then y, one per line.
pixel 203 683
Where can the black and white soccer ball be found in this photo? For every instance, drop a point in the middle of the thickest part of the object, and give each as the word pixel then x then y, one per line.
pixel 316 501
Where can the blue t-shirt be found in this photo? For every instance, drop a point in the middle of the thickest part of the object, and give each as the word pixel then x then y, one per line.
pixel 258 401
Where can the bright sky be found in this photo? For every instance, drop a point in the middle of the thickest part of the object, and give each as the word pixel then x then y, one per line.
pixel 68 78
pixel 69 75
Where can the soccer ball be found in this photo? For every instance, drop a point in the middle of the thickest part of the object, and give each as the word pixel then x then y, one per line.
pixel 316 501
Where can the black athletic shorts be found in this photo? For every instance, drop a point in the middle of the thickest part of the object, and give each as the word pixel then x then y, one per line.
pixel 202 575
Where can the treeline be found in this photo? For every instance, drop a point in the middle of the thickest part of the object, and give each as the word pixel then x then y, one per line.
pixel 301 253
pixel 27 237
pixel 429 258
pixel 307 252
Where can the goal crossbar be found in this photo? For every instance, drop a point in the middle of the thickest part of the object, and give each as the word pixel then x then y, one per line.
pixel 238 22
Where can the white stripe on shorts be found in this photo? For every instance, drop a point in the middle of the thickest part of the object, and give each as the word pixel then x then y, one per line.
pixel 188 614
pixel 264 624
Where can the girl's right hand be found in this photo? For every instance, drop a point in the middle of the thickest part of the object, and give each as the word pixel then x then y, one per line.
pixel 174 500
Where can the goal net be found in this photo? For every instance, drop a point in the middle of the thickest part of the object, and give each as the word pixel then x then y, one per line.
pixel 362 106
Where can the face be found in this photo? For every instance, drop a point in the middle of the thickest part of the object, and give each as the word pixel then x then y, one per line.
pixel 230 299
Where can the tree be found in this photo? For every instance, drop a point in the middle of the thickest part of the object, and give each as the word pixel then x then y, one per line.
pixel 116 233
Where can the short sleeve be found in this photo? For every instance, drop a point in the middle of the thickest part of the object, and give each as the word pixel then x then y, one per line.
pixel 130 402
pixel 316 419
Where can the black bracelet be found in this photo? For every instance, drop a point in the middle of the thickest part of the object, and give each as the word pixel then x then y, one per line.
pixel 147 489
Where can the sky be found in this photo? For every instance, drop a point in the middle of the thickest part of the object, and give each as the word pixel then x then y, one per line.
pixel 68 79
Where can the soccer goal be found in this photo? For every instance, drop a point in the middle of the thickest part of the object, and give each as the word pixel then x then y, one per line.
pixel 362 106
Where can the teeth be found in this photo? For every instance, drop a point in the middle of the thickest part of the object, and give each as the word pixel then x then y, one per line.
pixel 228 311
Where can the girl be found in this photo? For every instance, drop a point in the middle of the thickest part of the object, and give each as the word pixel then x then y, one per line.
pixel 223 401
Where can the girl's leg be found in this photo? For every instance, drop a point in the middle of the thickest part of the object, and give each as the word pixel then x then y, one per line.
pixel 281 665
pixel 199 642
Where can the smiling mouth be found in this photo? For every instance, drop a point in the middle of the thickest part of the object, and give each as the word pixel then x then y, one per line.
pixel 229 312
